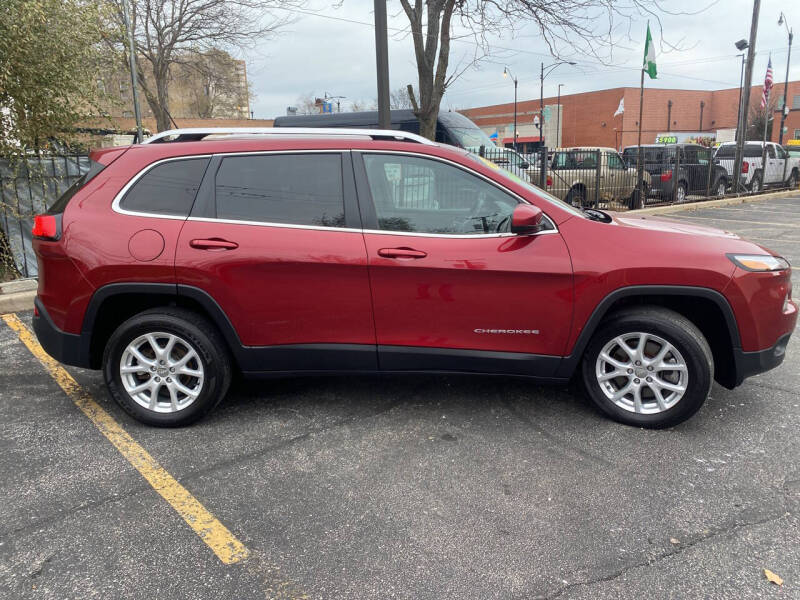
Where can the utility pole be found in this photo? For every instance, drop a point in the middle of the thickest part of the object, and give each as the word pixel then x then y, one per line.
pixel 748 80
pixel 134 83
pixel 782 20
pixel 382 64
pixel 702 106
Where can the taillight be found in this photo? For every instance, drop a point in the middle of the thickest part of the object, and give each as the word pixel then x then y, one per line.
pixel 666 175
pixel 745 167
pixel 46 227
pixel 549 181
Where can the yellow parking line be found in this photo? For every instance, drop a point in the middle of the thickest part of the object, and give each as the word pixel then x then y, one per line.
pixel 224 544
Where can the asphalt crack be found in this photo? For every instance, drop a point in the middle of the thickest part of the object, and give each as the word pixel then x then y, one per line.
pixel 714 533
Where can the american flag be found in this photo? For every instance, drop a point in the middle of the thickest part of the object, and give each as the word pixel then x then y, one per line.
pixel 767 84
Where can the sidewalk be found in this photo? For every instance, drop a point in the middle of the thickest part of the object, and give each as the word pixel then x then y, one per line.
pixel 17 295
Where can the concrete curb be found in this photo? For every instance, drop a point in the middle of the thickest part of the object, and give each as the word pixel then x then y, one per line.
pixel 17 295
pixel 711 203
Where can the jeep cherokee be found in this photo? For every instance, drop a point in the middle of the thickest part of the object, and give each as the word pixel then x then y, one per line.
pixel 172 263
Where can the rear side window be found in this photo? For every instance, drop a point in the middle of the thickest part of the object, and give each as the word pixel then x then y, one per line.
pixel 293 189
pixel 59 205
pixel 167 189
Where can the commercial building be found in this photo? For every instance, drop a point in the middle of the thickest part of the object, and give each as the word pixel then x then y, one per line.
pixel 589 119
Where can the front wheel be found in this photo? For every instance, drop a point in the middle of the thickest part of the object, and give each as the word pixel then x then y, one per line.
pixel 167 367
pixel 648 367
pixel 792 183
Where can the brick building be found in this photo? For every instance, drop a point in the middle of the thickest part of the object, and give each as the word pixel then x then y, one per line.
pixel 588 119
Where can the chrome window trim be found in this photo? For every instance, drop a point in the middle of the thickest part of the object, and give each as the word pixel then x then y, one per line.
pixel 273 224
pixel 115 204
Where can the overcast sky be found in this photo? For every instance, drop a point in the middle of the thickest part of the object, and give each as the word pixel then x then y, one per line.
pixel 331 48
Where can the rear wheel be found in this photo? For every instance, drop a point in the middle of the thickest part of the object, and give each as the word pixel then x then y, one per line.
pixel 722 187
pixel 756 184
pixel 167 367
pixel 680 193
pixel 649 367
pixel 577 197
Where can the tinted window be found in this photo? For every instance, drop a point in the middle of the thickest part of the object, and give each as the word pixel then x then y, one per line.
pixel 575 159
pixel 428 196
pixel 167 189
pixel 729 151
pixel 771 151
pixel 296 189
pixel 61 204
pixel 615 162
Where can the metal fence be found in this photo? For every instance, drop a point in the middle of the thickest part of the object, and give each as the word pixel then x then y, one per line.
pixel 27 188
pixel 607 179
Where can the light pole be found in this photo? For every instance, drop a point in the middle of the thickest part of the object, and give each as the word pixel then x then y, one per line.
pixel 782 20
pixel 542 75
pixel 507 73
pixel 741 45
pixel 558 117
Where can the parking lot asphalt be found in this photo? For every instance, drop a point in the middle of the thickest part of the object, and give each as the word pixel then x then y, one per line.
pixel 411 487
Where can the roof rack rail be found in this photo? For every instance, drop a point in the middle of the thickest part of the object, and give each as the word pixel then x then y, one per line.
pixel 193 134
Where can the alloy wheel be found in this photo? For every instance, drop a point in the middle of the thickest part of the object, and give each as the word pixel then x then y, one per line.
pixel 642 373
pixel 161 372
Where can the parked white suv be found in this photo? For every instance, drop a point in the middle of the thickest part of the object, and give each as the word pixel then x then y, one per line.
pixel 780 170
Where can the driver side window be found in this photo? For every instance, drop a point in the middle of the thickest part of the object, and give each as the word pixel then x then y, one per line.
pixel 428 196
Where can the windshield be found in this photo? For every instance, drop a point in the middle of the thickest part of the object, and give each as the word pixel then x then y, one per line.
pixel 508 176
pixel 463 131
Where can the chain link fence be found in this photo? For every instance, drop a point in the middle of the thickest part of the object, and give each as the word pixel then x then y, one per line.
pixel 28 187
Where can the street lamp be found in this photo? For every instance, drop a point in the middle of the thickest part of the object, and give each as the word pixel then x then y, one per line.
pixel 740 45
pixel 782 20
pixel 550 69
pixel 507 73
pixel 558 117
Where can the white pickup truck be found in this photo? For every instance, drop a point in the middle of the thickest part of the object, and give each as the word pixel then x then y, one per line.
pixel 780 170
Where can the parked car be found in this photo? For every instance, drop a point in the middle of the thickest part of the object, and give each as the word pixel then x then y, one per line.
pixel 174 263
pixel 451 127
pixel 575 176
pixel 679 170
pixel 507 158
pixel 781 169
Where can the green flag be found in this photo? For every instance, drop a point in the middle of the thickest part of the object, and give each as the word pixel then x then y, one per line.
pixel 649 55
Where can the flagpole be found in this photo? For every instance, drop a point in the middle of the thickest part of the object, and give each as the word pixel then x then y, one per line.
pixel 639 162
pixel 764 141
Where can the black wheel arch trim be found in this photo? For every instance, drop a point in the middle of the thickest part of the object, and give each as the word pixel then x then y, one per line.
pixel 570 363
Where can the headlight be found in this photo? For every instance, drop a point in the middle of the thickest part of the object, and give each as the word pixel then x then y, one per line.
pixel 759 262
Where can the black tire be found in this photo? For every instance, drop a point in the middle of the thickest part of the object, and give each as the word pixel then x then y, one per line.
pixel 792 182
pixel 681 193
pixel 197 332
pixel 675 329
pixel 576 197
pixel 757 183
pixel 720 187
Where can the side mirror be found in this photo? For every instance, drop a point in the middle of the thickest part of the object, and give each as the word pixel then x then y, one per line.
pixel 525 166
pixel 526 219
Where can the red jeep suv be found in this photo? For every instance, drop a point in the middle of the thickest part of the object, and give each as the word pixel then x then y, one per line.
pixel 172 263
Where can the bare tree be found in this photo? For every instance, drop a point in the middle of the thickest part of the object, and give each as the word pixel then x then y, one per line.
pixel 166 31
pixel 756 118
pixel 400 99
pixel 362 105
pixel 309 104
pixel 213 84
pixel 568 27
